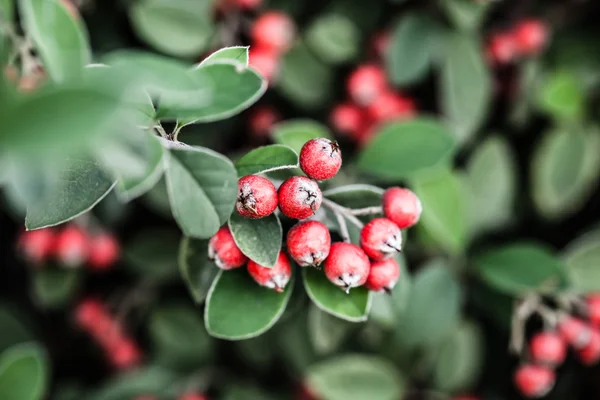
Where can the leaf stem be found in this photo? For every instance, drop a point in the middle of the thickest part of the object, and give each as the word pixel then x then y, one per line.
pixel 346 212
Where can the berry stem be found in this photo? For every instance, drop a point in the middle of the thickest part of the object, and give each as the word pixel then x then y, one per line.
pixel 549 316
pixel 367 210
pixel 343 227
pixel 520 316
pixel 346 212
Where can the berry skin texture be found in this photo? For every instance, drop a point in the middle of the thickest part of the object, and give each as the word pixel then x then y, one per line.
pixel 104 251
pixel 383 275
pixel 502 48
pixel 275 278
pixel 530 36
pixel 224 252
pixel 346 118
pixel 347 266
pixel 72 246
pixel 365 83
pixel 593 308
pixel 37 245
pixel 299 197
pixel 534 381
pixel 381 238
pixel 575 332
pixel 402 206
pixel 548 348
pixel 274 30
pixel 308 243
pixel 257 197
pixel 320 159
pixel 590 353
pixel 265 61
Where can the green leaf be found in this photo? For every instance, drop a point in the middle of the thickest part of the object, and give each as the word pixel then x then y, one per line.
pixel 53 288
pixel 466 88
pixel 235 53
pixel 412 49
pixel 153 253
pixel 466 15
pixel 561 96
pixel 355 377
pixel 491 177
pixel 142 381
pixel 60 39
pixel 444 214
pixel 459 359
pixel 296 132
pixel 355 196
pixel 564 170
pixel 81 185
pixel 353 306
pixel 582 257
pixel 181 28
pixel 403 149
pixel 14 330
pixel 388 310
pixel 428 320
pixel 7 11
pixel 238 308
pixel 24 373
pixel 521 268
pixel 303 79
pixel 266 159
pixel 325 331
pixel 259 239
pixel 197 270
pixel 333 38
pixel 202 187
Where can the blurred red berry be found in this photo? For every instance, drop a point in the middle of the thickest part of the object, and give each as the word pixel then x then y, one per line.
pixel 193 396
pixel 534 380
pixel 502 48
pixel 36 246
pixel 380 43
pixel 346 118
pixel 590 353
pixel 548 348
pixel 104 251
pixel 466 398
pixel 261 120
pixel 248 4
pixel 72 246
pixel 274 30
pixel 125 354
pixel 575 332
pixel 389 105
pixel 88 312
pixel 366 83
pixel 530 36
pixel 265 61
pixel 593 308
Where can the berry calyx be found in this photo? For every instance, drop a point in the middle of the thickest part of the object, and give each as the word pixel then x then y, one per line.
pixel 299 197
pixel 38 245
pixel 346 118
pixel 223 250
pixel 104 251
pixel 275 278
pixel 347 266
pixel 72 246
pixel 381 238
pixel 273 30
pixel 593 309
pixel 590 353
pixel 530 36
pixel 383 275
pixel 534 380
pixel 575 332
pixel 402 206
pixel 502 48
pixel 365 83
pixel 308 243
pixel 548 348
pixel 257 197
pixel 320 158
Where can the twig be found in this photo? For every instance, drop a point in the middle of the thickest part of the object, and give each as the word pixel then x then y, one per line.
pixel 367 210
pixel 158 127
pixel 343 227
pixel 527 307
pixel 346 212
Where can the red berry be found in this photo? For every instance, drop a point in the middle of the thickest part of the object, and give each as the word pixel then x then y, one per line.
pixel 389 105
pixel 257 197
pixel 88 312
pixel 366 83
pixel 104 251
pixel 347 266
pixel 593 308
pixel 125 354
pixel 502 48
pixel 275 278
pixel 530 36
pixel 320 158
pixel 402 206
pixel 261 120
pixel 383 275
pixel 223 250
pixel 381 238
pixel 308 243
pixel 548 348
pixel 346 118
pixel 590 353
pixel 575 332
pixel 265 61
pixel 72 246
pixel 534 380
pixel 274 30
pixel 193 396
pixel 380 43
pixel 37 245
pixel 248 4
pixel 299 197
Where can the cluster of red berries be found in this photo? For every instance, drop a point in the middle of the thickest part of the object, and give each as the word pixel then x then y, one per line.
pixel 526 39
pixel 94 318
pixel 548 349
pixel 309 242
pixel 187 396
pixel 70 246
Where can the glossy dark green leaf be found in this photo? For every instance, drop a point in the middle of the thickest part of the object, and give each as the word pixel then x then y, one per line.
pixel 353 306
pixel 355 377
pixel 267 158
pixel 197 270
pixel 24 373
pixel 202 187
pixel 465 14
pixel 259 239
pixel 235 53
pixel 53 288
pixel 296 132
pixel 152 253
pixel 582 257
pixel 333 38
pixel 562 96
pixel 403 149
pixel 522 267
pixel 238 308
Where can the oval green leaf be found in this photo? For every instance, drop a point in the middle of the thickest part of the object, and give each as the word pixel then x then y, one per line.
pixel 24 373
pixel 238 308
pixel 562 96
pixel 197 270
pixel 325 331
pixel 295 133
pixel 53 288
pixel 465 15
pixel 333 38
pixel 235 53
pixel 259 239
pixel 582 257
pixel 202 188
pixel 152 253
pixel 403 149
pixel 266 159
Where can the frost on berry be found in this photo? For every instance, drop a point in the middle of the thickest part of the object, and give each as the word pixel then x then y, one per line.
pixel 320 158
pixel 257 197
pixel 347 266
pixel 548 348
pixel 275 278
pixel 381 238
pixel 383 275
pixel 534 381
pixel 299 197
pixel 224 252
pixel 308 243
pixel 402 206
